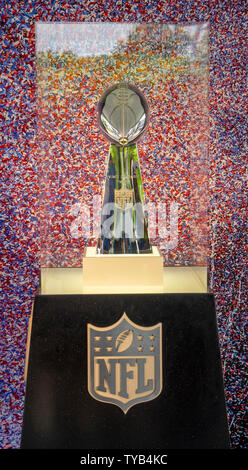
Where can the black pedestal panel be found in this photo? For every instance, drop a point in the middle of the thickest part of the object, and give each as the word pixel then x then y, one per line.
pixel 189 413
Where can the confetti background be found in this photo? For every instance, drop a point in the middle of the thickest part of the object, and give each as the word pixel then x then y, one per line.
pixel 20 216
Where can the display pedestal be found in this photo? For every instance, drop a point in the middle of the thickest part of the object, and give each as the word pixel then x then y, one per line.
pixel 176 280
pixel 189 413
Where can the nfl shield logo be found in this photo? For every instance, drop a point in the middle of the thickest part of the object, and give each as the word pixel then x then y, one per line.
pixel 125 363
pixel 124 198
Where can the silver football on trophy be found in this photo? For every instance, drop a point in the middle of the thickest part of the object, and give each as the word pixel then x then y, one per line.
pixel 123 114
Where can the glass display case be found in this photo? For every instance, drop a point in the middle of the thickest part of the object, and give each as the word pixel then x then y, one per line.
pixel 76 64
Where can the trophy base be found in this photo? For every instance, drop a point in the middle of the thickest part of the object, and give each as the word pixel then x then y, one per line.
pixel 133 271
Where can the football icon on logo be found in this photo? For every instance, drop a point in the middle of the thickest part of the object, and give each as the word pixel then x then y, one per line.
pixel 124 340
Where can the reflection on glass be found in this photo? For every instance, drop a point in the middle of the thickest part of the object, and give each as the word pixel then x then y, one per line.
pixel 76 63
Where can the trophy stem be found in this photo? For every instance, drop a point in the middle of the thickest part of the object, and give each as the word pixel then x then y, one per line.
pixel 124 226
